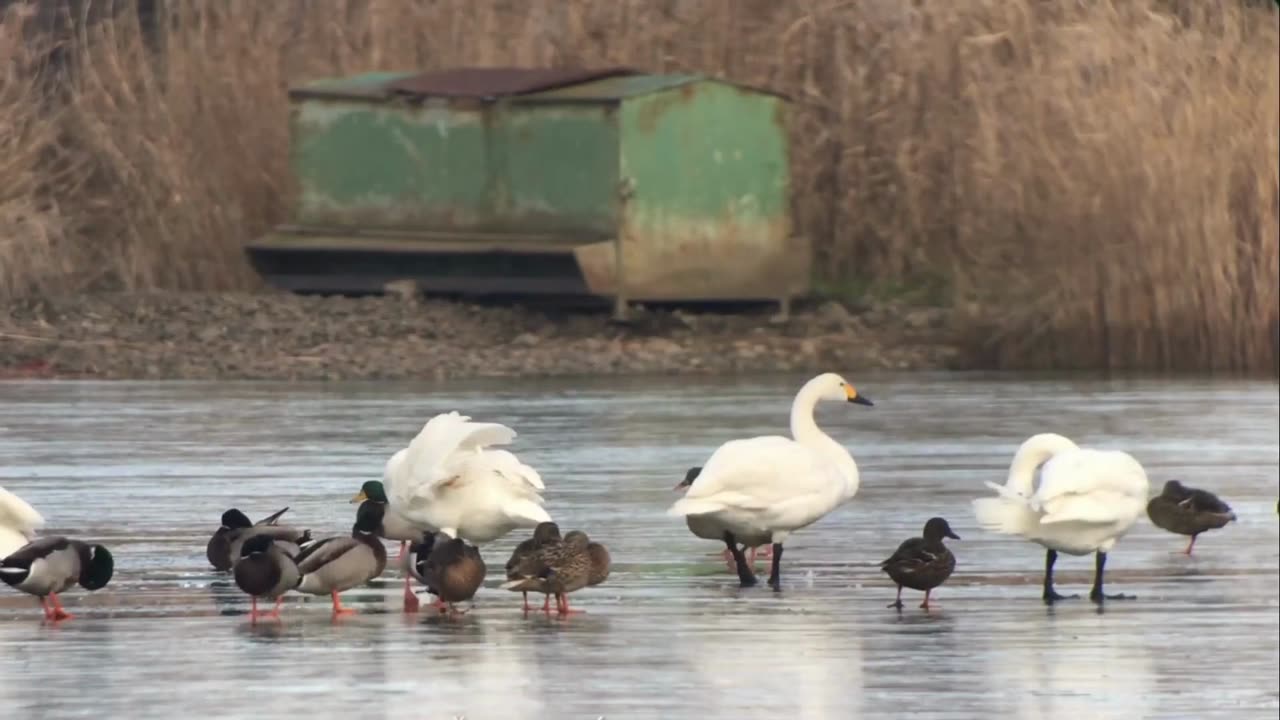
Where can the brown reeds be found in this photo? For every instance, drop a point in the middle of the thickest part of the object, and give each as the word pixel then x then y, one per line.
pixel 1095 183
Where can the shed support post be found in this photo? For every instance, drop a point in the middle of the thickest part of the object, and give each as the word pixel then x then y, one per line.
pixel 626 189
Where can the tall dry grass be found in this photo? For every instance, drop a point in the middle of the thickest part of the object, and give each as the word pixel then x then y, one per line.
pixel 1094 181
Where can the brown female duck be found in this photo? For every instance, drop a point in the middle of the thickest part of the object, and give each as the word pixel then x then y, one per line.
pixel 452 569
pixel 49 565
pixel 922 563
pixel 546 533
pixel 1188 511
pixel 557 568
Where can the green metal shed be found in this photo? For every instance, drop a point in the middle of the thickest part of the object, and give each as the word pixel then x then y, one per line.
pixel 608 183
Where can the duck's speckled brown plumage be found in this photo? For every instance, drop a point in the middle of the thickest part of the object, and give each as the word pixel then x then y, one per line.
pixel 1188 511
pixel 922 563
pixel 556 568
pixel 544 534
pixel 452 569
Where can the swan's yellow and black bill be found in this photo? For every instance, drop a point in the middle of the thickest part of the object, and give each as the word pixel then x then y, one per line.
pixel 855 398
pixel 359 497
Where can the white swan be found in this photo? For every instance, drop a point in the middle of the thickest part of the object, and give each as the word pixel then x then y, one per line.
pixel 1086 501
pixel 18 523
pixel 448 479
pixel 770 486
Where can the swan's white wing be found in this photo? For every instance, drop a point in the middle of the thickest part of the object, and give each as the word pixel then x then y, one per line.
pixel 756 475
pixel 507 466
pixel 1086 485
pixel 440 451
pixel 16 514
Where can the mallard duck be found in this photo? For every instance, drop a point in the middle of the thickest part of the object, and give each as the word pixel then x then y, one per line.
pixel 224 546
pixel 18 522
pixel 395 527
pixel 1188 511
pixel 557 568
pixel 448 479
pixel 451 569
pixel 337 564
pixel 265 570
pixel 1086 501
pixel 600 563
pixel 922 563
pixel 50 565
pixel 545 533
pixel 707 528
pixel 776 485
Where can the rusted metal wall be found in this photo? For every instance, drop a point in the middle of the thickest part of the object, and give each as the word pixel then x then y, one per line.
pixel 708 215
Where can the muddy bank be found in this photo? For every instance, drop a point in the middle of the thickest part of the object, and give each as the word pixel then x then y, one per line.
pixel 281 336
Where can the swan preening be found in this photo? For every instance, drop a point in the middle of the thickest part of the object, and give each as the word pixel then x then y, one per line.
pixel 760 490
pixel 1086 501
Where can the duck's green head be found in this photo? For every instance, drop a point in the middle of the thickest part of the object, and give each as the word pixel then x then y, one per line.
pixel 256 545
pixel 689 477
pixel 938 528
pixel 371 490
pixel 369 518
pixel 97 571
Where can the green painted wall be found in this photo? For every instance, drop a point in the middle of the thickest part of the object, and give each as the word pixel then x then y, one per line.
pixel 710 167
pixel 526 169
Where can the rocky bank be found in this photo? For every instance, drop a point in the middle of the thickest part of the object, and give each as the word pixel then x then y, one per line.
pixel 288 337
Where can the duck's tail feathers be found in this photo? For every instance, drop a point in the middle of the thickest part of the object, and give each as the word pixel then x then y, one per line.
pixel 521 585
pixel 1006 514
pixel 695 506
pixel 273 517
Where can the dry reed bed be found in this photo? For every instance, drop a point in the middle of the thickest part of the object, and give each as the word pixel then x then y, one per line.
pixel 1097 183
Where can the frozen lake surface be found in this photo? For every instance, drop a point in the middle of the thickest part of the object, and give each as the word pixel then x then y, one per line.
pixel 147 468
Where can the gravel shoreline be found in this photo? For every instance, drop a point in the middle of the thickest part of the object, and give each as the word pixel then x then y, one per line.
pixel 277 336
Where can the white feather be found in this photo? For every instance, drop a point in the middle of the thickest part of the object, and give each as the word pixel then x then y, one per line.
pixel 18 522
pixel 449 478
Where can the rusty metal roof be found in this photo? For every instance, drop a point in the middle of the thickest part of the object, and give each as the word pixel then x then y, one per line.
pixel 489 82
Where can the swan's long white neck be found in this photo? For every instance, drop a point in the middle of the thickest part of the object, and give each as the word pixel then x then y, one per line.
pixel 1034 452
pixel 805 430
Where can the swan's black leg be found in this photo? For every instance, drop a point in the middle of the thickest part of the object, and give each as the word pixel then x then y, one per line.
pixel 746 578
pixel 1096 595
pixel 775 574
pixel 1050 596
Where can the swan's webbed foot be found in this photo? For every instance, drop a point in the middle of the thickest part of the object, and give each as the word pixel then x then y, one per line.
pixel 1098 596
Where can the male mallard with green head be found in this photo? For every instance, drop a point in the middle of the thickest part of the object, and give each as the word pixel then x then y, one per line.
pixel 337 564
pixel 558 568
pixel 223 548
pixel 395 527
pixel 265 570
pixel 922 563
pixel 1188 511
pixel 452 569
pixel 546 533
pixel 50 565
